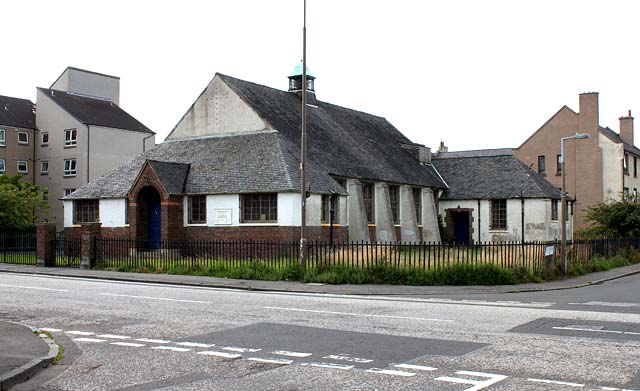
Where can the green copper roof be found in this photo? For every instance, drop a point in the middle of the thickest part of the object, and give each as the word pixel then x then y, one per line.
pixel 297 71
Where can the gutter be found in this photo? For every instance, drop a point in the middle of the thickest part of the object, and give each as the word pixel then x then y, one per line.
pixel 144 142
pixel 88 152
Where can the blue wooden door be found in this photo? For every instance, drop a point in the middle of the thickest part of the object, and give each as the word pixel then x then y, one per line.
pixel 461 227
pixel 153 229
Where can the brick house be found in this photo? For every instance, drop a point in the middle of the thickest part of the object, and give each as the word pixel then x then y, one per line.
pixel 494 197
pixel 598 169
pixel 230 170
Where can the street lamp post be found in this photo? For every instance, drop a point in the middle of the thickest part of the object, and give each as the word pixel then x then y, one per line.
pixel 563 201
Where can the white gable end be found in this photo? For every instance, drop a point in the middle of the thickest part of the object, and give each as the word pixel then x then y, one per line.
pixel 218 110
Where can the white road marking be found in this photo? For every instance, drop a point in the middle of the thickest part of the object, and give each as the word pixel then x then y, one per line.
pixel 607 304
pixel 391 372
pixel 595 330
pixel 291 354
pixel 156 298
pixel 279 361
pixel 329 365
pixel 354 314
pixel 195 344
pixel 562 383
pixel 149 340
pixel 344 357
pixel 610 388
pixel 74 332
pixel 89 340
pixel 37 288
pixel 112 336
pixel 240 350
pixel 221 354
pixel 415 367
pixel 477 384
pixel 129 344
pixel 172 348
pixel 499 303
pixel 50 330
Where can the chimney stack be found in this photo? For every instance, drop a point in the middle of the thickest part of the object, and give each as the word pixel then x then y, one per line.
pixel 589 116
pixel 442 147
pixel 626 128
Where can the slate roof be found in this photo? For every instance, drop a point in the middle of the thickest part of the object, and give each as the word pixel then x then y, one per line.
pixel 487 177
pixel 476 153
pixel 258 162
pixel 93 111
pixel 615 137
pixel 342 142
pixel 173 176
pixel 17 112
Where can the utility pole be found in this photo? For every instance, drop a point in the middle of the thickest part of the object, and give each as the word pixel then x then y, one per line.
pixel 303 147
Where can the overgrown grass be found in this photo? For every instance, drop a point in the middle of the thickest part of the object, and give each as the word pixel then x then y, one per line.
pixel 60 354
pixel 454 274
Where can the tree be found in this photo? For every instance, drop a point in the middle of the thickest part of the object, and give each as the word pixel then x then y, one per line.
pixel 19 203
pixel 614 219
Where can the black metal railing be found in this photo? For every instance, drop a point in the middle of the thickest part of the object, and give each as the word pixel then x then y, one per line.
pixel 66 251
pixel 533 256
pixel 18 248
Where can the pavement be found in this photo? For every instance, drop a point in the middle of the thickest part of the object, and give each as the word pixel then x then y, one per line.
pixel 24 352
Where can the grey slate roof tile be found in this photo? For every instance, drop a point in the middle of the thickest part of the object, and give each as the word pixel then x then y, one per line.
pixel 487 177
pixel 615 137
pixel 94 111
pixel 17 112
pixel 173 176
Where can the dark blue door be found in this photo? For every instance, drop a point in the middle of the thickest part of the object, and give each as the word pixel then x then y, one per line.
pixel 153 230
pixel 461 227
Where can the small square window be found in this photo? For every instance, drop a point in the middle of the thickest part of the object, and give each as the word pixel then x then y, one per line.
pixel 70 167
pixel 70 137
pixel 44 167
pixel 23 167
pixel 197 209
pixel 2 166
pixel 2 137
pixel 67 192
pixel 44 138
pixel 23 138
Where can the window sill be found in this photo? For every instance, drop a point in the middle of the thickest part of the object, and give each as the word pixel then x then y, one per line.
pixel 70 146
pixel 258 224
pixel 499 230
pixel 195 225
pixel 70 176
pixel 371 225
pixel 329 225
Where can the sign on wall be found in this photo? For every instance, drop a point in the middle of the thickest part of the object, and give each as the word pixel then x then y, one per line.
pixel 222 217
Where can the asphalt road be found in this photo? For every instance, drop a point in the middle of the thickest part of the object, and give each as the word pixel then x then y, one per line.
pixel 127 336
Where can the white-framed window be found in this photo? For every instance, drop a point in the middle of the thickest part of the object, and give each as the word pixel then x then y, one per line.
pixel 70 137
pixel 44 138
pixel 67 192
pixel 69 167
pixel 23 167
pixel 2 166
pixel 2 137
pixel 23 138
pixel 44 167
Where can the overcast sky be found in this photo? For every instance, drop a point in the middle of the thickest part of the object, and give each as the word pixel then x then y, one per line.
pixel 476 74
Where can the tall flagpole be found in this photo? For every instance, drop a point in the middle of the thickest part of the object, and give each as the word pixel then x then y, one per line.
pixel 303 149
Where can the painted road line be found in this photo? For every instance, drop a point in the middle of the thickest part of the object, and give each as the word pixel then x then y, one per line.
pixel 50 330
pixel 95 340
pixel 329 365
pixel 156 298
pixel 415 367
pixel 500 303
pixel 355 314
pixel 128 344
pixel 279 361
pixel 562 383
pixel 608 304
pixel 589 330
pixel 346 357
pixel 477 384
pixel 150 340
pixel 391 372
pixel 172 348
pixel 240 350
pixel 291 354
pixel 113 336
pixel 221 354
pixel 33 287
pixel 195 344
pixel 74 332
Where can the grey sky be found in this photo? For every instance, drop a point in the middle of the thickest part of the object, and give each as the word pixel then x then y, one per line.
pixel 476 74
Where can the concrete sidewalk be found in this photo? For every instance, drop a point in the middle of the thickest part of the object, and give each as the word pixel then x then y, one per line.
pixel 23 353
pixel 289 286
